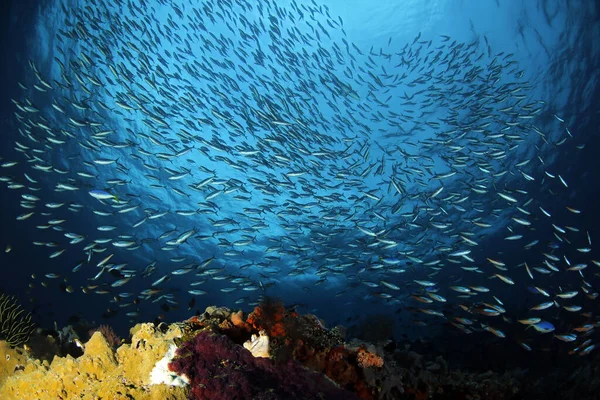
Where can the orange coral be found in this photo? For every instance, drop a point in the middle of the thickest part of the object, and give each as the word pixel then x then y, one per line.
pixel 254 317
pixel 195 320
pixel 366 359
pixel 268 316
pixel 237 319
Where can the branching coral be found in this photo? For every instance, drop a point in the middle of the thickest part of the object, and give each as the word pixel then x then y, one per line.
pixel 15 327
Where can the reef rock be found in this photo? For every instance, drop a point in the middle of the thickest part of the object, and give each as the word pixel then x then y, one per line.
pixel 100 373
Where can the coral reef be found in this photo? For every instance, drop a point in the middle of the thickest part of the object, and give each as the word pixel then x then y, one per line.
pixel 295 337
pixel 368 370
pixel 15 325
pixel 99 372
pixel 221 370
pixel 272 353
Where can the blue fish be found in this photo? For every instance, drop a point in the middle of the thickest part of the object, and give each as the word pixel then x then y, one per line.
pixel 544 327
pixel 532 290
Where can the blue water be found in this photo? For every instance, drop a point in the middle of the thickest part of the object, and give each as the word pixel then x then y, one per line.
pixel 319 162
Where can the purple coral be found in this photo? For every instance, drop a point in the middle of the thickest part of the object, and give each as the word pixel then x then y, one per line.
pixel 219 369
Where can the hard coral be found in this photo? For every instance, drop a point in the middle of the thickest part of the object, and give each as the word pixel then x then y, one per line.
pixel 221 370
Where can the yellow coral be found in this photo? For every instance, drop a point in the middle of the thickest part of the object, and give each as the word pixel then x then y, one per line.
pixel 99 372
pixel 10 360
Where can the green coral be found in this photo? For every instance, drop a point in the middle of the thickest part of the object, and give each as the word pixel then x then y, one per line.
pixel 15 327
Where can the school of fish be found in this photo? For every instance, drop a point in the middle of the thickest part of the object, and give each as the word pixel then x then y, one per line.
pixel 232 146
